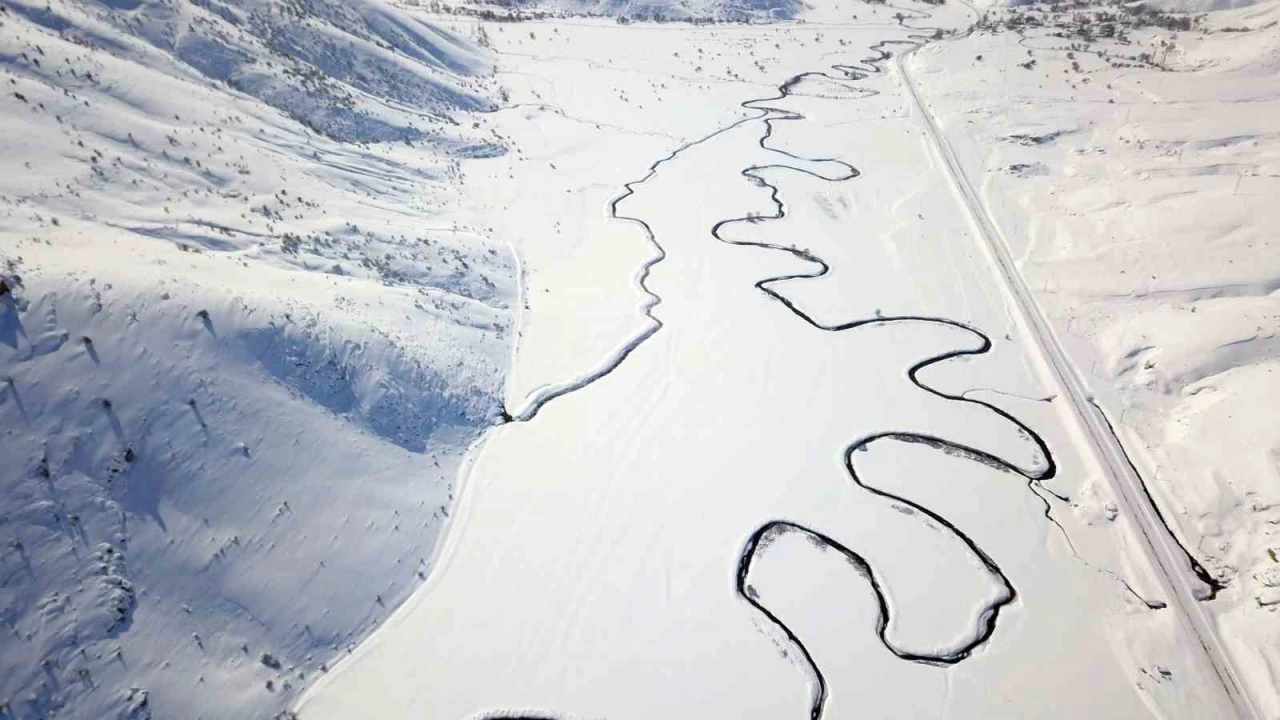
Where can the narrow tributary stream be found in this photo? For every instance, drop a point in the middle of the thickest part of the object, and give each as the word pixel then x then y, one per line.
pixel 614 525
pixel 770 529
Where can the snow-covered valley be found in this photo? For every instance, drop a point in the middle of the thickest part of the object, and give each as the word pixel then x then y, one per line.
pixel 654 369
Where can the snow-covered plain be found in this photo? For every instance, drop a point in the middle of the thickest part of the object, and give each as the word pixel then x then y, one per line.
pixel 710 509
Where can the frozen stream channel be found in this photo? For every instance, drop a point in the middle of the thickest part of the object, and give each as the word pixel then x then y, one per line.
pixel 813 489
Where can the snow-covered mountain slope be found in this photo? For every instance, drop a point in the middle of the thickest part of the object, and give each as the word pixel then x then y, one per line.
pixel 240 362
pixel 254 314
pixel 626 11
pixel 1140 196
pixel 211 490
pixel 358 71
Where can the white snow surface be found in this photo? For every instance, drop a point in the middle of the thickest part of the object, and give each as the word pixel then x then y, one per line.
pixel 240 361
pixel 591 567
pixel 265 267
pixel 358 71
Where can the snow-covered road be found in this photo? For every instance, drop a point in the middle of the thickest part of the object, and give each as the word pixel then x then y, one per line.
pixel 812 478
pixel 1184 581
pixel 467 360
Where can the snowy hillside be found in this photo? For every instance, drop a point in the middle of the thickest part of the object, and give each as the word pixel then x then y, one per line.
pixel 741 242
pixel 718 10
pixel 1139 195
pixel 240 362
pixel 358 71
pixel 623 11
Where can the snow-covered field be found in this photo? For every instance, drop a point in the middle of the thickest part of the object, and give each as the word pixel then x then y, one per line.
pixel 609 558
pixel 376 361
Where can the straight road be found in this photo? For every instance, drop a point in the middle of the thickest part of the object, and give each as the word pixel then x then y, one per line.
pixel 1173 565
